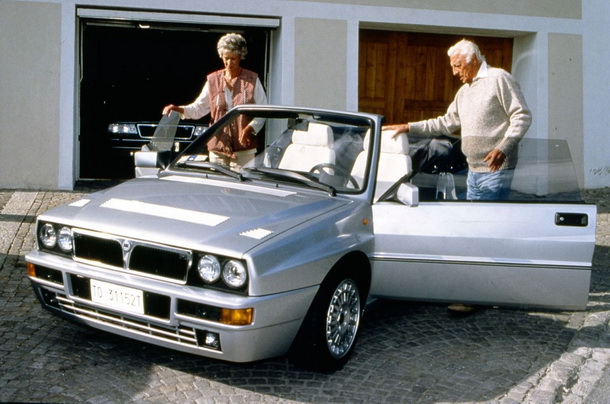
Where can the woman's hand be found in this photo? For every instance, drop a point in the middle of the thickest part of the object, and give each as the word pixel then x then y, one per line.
pixel 246 132
pixel 171 107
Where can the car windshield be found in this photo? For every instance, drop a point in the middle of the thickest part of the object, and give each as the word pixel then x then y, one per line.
pixel 314 149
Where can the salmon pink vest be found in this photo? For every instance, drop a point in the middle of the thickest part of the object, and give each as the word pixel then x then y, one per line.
pixel 230 140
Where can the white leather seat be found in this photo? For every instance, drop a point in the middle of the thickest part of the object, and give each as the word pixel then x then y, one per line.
pixel 359 168
pixel 394 161
pixel 309 148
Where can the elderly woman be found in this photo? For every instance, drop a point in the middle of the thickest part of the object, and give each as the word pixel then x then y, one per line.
pixel 223 90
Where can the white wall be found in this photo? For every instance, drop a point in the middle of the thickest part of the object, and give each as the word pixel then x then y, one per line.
pixel 566 96
pixel 596 89
pixel 320 63
pixel 29 94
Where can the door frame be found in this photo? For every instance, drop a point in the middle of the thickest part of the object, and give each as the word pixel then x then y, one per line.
pixel 115 16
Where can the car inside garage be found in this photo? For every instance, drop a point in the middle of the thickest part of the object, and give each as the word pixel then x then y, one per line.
pixel 130 69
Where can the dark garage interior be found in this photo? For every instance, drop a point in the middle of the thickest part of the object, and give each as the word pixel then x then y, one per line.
pixel 130 70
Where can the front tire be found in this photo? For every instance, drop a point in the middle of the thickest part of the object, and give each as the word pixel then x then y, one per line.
pixel 328 334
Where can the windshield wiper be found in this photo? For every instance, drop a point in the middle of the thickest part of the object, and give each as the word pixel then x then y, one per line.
pixel 292 175
pixel 213 166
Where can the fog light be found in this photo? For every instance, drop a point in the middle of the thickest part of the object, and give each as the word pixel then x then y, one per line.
pixel 208 339
pixel 49 298
pixel 237 316
pixel 212 340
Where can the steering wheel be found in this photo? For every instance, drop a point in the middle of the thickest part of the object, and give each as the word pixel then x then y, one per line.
pixel 325 168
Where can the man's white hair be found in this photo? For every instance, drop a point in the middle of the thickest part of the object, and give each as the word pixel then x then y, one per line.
pixel 466 48
pixel 233 43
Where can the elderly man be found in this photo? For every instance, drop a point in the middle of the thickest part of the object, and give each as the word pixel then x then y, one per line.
pixel 492 114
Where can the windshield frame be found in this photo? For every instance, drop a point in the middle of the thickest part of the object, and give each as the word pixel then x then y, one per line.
pixel 347 131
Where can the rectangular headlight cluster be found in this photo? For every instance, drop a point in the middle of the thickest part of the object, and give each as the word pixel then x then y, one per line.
pixel 204 270
pixel 123 128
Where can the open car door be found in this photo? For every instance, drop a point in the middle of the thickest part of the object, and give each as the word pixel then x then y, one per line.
pixel 532 250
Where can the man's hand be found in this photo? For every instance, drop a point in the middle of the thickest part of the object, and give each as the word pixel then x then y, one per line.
pixel 495 159
pixel 399 128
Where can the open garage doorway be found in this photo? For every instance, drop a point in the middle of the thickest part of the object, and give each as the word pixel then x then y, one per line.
pixel 130 69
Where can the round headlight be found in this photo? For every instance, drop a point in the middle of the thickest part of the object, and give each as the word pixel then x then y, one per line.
pixel 209 268
pixel 234 274
pixel 64 239
pixel 48 235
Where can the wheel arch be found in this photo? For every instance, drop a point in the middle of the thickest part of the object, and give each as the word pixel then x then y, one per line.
pixel 310 349
pixel 355 263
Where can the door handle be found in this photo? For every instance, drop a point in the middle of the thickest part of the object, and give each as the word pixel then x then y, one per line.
pixel 572 219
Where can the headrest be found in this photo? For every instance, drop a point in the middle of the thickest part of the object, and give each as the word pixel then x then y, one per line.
pixel 367 140
pixel 317 134
pixel 399 145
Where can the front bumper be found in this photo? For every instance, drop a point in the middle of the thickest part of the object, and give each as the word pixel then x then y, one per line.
pixel 178 316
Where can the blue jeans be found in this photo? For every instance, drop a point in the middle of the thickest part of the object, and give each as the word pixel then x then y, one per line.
pixel 489 186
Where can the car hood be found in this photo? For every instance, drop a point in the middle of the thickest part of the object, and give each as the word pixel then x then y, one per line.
pixel 220 216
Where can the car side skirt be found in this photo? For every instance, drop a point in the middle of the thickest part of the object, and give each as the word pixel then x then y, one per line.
pixel 502 284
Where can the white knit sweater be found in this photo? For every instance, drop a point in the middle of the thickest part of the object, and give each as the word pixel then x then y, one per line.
pixel 491 113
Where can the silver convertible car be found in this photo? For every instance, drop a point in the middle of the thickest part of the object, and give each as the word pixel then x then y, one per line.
pixel 282 256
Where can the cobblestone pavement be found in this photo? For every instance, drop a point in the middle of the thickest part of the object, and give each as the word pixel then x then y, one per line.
pixel 407 352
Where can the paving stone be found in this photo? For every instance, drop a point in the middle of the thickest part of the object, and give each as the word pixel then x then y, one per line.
pixel 407 352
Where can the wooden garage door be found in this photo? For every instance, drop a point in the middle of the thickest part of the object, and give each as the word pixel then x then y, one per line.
pixel 406 76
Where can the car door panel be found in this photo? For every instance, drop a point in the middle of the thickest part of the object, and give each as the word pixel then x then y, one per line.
pixel 484 253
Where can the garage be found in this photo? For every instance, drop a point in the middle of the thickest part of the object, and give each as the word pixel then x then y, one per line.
pixel 131 64
pixel 405 76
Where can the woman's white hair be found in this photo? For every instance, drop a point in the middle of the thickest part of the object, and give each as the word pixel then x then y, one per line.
pixel 466 48
pixel 233 43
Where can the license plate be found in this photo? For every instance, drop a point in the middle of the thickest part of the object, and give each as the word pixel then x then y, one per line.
pixel 118 297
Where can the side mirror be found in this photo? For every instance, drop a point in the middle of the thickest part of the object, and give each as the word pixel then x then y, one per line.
pixel 408 194
pixel 148 163
pixel 145 159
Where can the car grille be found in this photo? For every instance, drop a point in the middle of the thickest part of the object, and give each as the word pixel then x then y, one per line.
pixel 182 131
pixel 152 260
pixel 181 334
